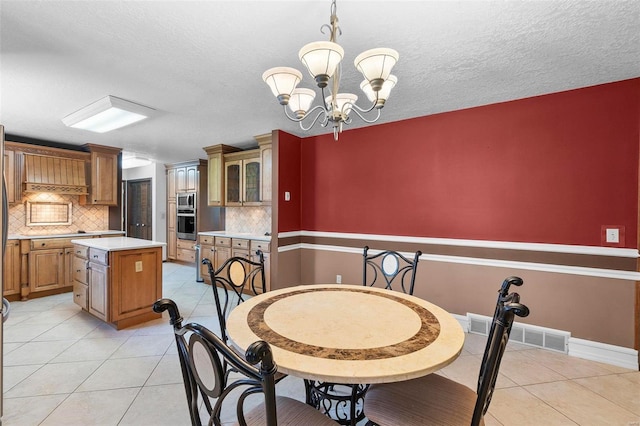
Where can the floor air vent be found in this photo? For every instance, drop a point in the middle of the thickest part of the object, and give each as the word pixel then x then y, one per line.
pixel 547 338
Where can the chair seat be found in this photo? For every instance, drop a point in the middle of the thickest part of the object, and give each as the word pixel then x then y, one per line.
pixel 290 412
pixel 430 400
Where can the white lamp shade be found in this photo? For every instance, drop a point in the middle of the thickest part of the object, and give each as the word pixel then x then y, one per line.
pixel 301 99
pixel 344 102
pixel 376 63
pixel 383 94
pixel 321 57
pixel 282 80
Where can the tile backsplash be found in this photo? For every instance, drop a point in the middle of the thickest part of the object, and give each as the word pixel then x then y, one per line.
pixel 86 218
pixel 254 220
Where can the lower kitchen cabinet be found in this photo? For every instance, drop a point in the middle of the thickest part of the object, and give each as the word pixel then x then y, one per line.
pixel 121 284
pixel 46 269
pixel 11 271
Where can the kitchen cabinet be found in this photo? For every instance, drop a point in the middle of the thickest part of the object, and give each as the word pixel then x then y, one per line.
pixel 240 248
pixel 217 250
pixel 104 186
pixel 9 175
pixel 186 251
pixel 215 173
pixel 186 179
pixel 124 279
pixel 11 271
pixel 263 246
pixel 266 160
pixel 171 185
pixel 242 178
pixel 46 269
pixel 81 277
pixel 171 229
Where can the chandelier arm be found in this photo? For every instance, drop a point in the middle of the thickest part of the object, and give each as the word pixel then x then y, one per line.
pixel 363 110
pixel 362 116
pixel 323 123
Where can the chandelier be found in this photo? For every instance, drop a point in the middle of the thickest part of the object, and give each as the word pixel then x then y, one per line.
pixel 322 60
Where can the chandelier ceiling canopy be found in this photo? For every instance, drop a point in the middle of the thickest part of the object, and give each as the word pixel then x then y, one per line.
pixel 323 61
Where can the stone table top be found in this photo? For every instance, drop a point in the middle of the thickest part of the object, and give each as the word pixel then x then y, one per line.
pixel 348 333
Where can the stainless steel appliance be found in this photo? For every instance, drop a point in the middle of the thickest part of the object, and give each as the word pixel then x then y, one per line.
pixel 4 309
pixel 186 201
pixel 186 225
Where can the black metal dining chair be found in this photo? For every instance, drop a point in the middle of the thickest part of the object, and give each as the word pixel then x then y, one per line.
pixel 237 278
pixel 437 400
pixel 202 357
pixel 388 268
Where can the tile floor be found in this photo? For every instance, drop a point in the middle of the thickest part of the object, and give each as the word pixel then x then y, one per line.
pixel 63 367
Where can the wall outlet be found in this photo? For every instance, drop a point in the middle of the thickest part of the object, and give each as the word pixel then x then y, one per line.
pixel 139 266
pixel 612 236
pixel 338 279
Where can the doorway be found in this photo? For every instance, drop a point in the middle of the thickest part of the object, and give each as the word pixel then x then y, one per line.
pixel 138 222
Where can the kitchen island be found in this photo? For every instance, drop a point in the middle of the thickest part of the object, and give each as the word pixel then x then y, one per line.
pixel 118 279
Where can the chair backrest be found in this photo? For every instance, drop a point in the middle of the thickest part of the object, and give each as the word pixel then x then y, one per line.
pixel 202 358
pixel 236 278
pixel 389 268
pixel 496 345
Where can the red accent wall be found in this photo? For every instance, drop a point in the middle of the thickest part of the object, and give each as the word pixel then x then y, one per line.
pixel 288 180
pixel 548 169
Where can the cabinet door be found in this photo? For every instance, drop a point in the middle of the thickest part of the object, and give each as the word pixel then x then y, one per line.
pixel 11 271
pixel 266 153
pixel 104 178
pixel 98 285
pixel 171 230
pixel 191 176
pixel 222 254
pixel 69 256
pixel 181 179
pixel 80 295
pixel 171 184
pixel 208 252
pixel 251 180
pixel 9 175
pixel 233 183
pixel 267 269
pixel 46 269
pixel 215 185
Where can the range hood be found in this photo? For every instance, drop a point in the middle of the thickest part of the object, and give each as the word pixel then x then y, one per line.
pixel 44 173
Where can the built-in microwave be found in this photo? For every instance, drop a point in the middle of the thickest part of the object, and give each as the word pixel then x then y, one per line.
pixel 186 201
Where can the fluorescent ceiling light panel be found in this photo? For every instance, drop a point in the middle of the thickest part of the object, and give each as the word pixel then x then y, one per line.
pixel 106 114
pixel 131 160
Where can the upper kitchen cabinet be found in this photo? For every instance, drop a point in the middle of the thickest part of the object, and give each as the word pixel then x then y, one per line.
pixel 104 176
pixel 9 175
pixel 243 178
pixel 266 155
pixel 215 173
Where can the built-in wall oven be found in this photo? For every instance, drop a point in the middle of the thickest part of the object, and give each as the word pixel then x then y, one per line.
pixel 186 216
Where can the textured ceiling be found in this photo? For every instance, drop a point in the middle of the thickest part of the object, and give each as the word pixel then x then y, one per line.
pixel 199 63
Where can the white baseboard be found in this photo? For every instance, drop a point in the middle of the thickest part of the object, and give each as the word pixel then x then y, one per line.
pixel 602 352
pixel 580 348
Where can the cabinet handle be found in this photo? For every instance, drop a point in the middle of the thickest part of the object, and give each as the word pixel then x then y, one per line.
pixel 43 244
pixel 95 256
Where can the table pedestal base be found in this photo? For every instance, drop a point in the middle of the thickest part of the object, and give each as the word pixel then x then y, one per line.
pixel 342 403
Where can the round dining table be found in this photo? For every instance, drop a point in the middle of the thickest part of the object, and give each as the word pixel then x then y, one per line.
pixel 348 334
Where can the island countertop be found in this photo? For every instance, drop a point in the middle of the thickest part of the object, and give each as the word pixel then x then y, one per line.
pixel 117 243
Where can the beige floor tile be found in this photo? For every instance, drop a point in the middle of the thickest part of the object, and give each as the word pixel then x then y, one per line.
pixel 30 410
pixel 466 370
pixel 37 352
pixel 615 388
pixel 137 346
pixel 515 406
pixel 570 367
pixel 55 316
pixel 581 405
pixel 166 372
pixel 90 349
pixel 121 373
pixel 106 331
pixel 523 370
pixel 158 406
pixel 11 376
pixel 24 332
pixel 54 379
pixel 92 408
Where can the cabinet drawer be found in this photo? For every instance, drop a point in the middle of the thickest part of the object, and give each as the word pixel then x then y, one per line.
pixel 259 245
pixel 223 241
pixel 81 251
pixel 80 292
pixel 53 243
pixel 186 255
pixel 240 244
pixel 98 256
pixel 186 244
pixel 206 239
pixel 79 269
